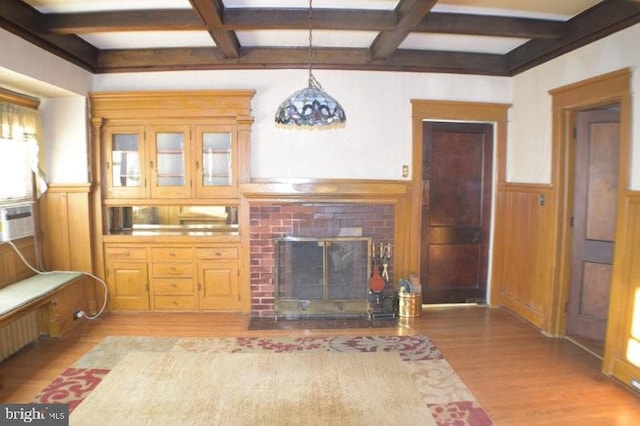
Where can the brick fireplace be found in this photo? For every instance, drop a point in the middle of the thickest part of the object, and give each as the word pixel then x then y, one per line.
pixel 270 221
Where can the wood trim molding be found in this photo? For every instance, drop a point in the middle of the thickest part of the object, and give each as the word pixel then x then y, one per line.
pixel 167 104
pixel 621 306
pixel 69 187
pixel 523 187
pixel 334 190
pixel 606 89
pixel 19 99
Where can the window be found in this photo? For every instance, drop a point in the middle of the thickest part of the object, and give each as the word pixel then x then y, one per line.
pixel 15 173
pixel 18 150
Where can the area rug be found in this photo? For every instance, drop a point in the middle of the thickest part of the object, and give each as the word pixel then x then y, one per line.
pixel 266 381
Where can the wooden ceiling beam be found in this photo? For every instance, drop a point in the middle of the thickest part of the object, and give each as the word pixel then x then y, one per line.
pixel 138 20
pixel 211 11
pixel 498 26
pixel 56 33
pixel 132 60
pixel 410 13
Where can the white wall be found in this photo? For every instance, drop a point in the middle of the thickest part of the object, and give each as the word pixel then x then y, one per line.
pixel 377 139
pixel 62 88
pixel 529 137
pixel 65 139
pixel 37 64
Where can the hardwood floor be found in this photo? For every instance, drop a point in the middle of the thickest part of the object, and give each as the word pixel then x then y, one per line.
pixel 519 376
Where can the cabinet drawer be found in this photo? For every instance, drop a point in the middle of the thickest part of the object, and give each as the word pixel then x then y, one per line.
pixel 171 253
pixel 125 253
pixel 172 269
pixel 174 303
pixel 209 253
pixel 172 286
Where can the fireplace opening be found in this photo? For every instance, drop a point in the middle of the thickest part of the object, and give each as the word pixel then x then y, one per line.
pixel 322 276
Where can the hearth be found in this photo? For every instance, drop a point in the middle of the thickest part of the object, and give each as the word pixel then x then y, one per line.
pixel 322 277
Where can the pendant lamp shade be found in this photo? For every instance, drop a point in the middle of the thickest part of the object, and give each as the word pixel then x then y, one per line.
pixel 311 107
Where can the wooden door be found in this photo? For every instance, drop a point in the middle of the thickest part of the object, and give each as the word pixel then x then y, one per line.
pixel 457 164
pixel 594 213
pixel 218 283
pixel 128 285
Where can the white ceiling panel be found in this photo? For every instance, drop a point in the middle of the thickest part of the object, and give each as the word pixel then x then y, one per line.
pixel 149 39
pixel 75 6
pixel 319 4
pixel 297 38
pixel 566 8
pixel 461 43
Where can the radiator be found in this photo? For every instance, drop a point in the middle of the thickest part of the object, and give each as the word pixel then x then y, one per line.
pixel 18 334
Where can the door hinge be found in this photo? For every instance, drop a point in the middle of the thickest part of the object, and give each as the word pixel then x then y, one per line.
pixel 575 133
pixel 571 222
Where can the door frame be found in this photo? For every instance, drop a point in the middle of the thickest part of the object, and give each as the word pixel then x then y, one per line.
pixel 600 91
pixel 427 110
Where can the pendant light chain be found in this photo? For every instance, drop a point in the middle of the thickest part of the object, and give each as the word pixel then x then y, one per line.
pixel 311 107
pixel 312 80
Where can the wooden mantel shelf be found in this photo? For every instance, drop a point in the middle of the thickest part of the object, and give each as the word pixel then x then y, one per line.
pixel 322 190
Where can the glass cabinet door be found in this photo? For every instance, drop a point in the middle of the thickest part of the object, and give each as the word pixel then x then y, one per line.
pixel 125 175
pixel 216 163
pixel 168 164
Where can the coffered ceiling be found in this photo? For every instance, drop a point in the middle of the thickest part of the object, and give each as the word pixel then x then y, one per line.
pixel 486 37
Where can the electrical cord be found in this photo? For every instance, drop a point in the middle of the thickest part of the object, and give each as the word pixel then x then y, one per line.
pixel 81 313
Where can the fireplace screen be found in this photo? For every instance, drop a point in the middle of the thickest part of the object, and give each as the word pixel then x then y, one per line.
pixel 322 275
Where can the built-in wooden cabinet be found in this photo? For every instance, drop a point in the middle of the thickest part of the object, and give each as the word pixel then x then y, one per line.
pixel 170 277
pixel 127 277
pixel 218 277
pixel 166 165
pixel 168 161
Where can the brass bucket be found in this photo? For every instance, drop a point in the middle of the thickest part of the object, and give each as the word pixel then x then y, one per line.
pixel 409 305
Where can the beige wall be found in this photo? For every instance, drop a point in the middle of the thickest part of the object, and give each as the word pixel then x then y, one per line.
pixel 529 137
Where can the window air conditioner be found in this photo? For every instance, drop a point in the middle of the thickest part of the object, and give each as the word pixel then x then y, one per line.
pixel 16 221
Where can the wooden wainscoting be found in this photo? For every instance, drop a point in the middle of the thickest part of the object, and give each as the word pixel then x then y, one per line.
pixel 523 256
pixel 65 223
pixel 65 215
pixel 625 284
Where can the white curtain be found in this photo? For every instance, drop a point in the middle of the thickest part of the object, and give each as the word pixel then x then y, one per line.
pixel 20 124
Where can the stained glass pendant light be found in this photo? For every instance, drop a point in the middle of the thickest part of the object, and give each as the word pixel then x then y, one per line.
pixel 311 107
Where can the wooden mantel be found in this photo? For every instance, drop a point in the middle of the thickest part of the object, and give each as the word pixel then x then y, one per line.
pixel 318 190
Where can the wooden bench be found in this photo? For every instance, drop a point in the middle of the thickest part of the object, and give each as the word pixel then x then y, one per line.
pixel 53 297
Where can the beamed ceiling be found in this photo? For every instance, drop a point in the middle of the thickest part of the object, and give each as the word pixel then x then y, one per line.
pixel 485 37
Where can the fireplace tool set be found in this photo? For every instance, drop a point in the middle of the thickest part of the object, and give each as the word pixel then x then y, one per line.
pixel 384 303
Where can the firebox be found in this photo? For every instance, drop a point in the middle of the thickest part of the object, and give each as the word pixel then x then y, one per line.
pixel 322 276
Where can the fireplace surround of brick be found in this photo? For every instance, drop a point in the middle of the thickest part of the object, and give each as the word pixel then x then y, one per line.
pixel 271 221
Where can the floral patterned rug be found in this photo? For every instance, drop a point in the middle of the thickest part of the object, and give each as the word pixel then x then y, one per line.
pixel 437 386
